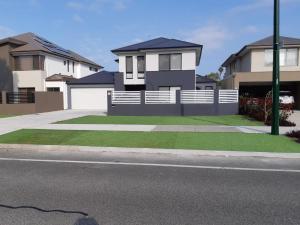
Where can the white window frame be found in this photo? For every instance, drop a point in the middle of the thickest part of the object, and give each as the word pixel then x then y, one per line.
pixel 283 57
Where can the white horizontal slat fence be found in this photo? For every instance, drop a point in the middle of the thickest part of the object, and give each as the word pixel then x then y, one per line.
pixel 197 97
pixel 228 96
pixel 160 97
pixel 126 97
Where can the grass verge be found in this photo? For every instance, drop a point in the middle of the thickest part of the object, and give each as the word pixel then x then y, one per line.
pixel 5 116
pixel 231 120
pixel 169 140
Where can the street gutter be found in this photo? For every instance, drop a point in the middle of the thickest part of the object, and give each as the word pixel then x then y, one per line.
pixel 179 152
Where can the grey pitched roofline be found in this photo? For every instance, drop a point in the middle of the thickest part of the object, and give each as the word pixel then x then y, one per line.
pixel 161 44
pixel 102 77
pixel 157 44
pixel 263 43
pixel 12 40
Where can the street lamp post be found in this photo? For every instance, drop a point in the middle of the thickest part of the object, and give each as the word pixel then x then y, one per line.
pixel 276 70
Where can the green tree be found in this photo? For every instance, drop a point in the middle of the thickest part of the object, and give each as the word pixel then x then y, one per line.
pixel 214 75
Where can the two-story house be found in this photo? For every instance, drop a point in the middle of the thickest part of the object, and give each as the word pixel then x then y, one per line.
pixel 158 64
pixel 30 63
pixel 250 69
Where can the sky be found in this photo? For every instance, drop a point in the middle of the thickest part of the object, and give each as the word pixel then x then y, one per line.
pixel 94 27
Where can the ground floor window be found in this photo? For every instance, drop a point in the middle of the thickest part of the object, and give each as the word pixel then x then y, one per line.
pixel 26 90
pixel 53 89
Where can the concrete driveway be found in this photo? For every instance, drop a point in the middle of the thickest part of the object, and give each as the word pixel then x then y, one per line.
pixel 38 120
pixel 296 117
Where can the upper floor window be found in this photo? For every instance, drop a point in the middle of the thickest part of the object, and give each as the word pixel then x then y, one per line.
pixel 288 57
pixel 170 62
pixel 27 63
pixel 141 66
pixel 129 67
pixel 73 66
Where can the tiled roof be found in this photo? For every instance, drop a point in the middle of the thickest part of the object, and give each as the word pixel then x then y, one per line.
pixel 31 42
pixel 102 77
pixel 157 43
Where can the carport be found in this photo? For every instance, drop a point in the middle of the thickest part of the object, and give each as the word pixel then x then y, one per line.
pixel 91 92
pixel 260 89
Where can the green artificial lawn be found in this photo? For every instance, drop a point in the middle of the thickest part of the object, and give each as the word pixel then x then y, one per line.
pixel 170 140
pixel 5 116
pixel 232 120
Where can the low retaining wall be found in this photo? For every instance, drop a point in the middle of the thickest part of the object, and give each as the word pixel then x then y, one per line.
pixel 176 109
pixel 44 102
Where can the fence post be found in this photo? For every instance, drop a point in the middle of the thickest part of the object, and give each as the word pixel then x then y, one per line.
pixel 216 100
pixel 4 99
pixel 178 103
pixel 109 105
pixel 143 98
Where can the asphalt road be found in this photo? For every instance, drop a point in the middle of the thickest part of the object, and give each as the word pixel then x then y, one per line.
pixel 155 192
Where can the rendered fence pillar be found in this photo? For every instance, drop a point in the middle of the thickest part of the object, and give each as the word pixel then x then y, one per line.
pixel 178 103
pixel 143 98
pixel 109 105
pixel 216 101
pixel 4 99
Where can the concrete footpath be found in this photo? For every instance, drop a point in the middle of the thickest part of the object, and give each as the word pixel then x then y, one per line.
pixel 151 151
pixel 46 120
pixel 166 128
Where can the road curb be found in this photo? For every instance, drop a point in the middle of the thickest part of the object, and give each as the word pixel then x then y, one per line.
pixel 181 152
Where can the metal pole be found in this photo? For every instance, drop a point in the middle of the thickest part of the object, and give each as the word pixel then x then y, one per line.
pixel 276 70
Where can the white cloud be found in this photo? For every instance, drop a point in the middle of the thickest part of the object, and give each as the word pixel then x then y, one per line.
pixel 75 5
pixel 212 36
pixel 5 32
pixel 251 29
pixel 77 18
pixel 119 5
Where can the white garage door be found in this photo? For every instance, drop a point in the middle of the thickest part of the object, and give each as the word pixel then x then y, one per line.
pixel 89 98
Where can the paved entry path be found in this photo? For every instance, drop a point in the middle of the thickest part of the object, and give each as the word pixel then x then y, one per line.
pixel 38 120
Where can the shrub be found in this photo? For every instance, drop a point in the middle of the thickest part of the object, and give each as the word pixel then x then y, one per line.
pixel 294 134
pixel 261 110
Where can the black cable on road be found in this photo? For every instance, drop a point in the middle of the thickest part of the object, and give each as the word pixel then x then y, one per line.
pixel 44 210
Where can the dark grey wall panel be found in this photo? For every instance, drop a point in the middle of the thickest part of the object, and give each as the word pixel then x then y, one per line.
pixel 119 82
pixel 183 78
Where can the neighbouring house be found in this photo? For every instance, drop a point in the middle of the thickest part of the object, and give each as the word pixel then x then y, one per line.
pixel 205 83
pixel 159 64
pixel 31 63
pixel 250 69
